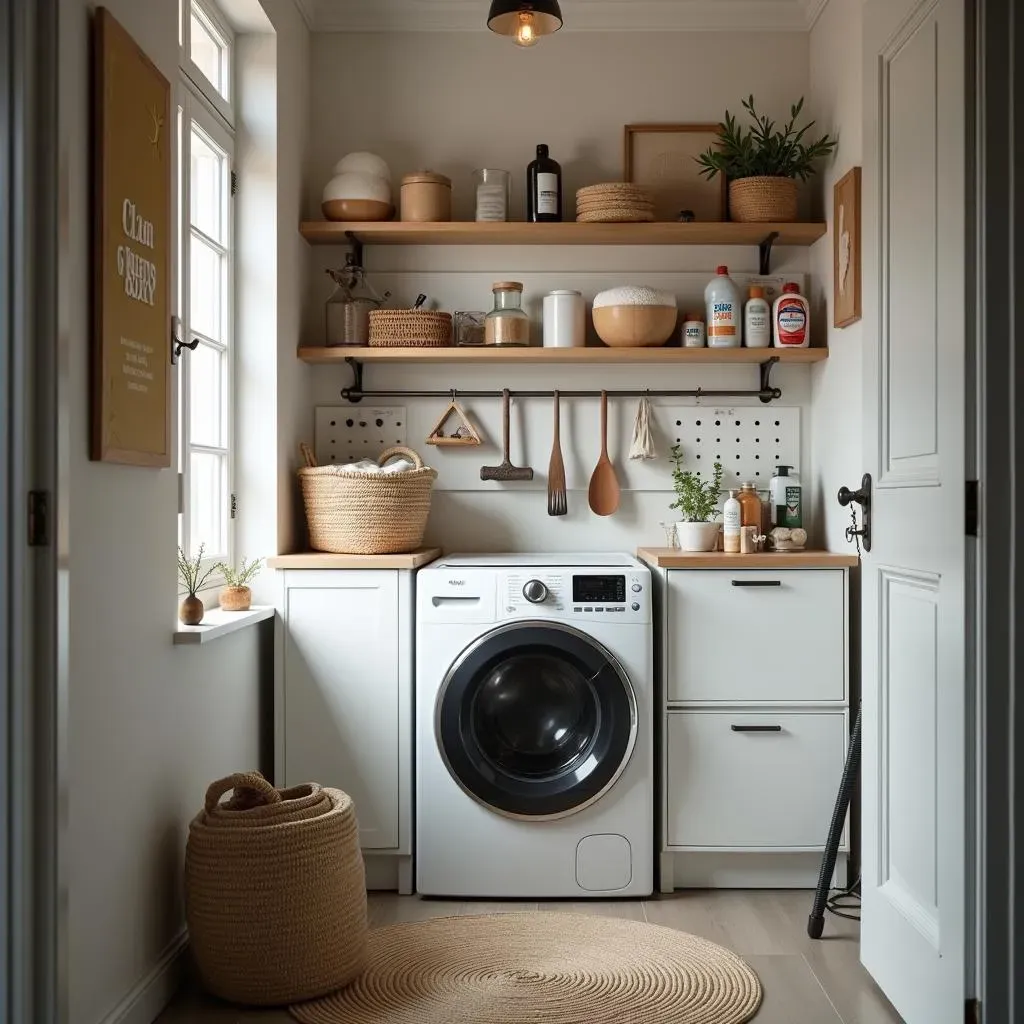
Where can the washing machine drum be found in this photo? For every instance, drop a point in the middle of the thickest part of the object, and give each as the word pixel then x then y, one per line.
pixel 536 720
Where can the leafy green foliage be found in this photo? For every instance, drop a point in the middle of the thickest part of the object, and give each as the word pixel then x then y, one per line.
pixel 191 572
pixel 764 150
pixel 696 499
pixel 241 576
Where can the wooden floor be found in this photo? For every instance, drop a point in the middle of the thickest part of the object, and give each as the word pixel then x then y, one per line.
pixel 805 982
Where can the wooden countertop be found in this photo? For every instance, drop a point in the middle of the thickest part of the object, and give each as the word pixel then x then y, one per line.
pixel 322 560
pixel 669 558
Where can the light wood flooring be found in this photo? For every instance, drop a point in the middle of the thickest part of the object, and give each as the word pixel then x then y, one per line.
pixel 804 981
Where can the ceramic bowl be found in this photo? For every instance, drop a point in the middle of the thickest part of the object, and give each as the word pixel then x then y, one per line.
pixel 351 185
pixel 357 209
pixel 635 326
pixel 364 163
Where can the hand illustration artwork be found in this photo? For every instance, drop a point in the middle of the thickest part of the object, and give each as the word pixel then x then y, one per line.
pixel 844 251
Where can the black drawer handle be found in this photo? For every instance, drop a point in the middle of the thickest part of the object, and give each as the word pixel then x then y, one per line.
pixel 756 728
pixel 757 583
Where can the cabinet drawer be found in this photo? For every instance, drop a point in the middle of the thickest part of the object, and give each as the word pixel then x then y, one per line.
pixel 752 780
pixel 755 636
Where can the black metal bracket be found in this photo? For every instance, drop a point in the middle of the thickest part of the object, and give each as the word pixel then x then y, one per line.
pixel 765 250
pixel 176 343
pixel 357 248
pixel 354 393
pixel 768 393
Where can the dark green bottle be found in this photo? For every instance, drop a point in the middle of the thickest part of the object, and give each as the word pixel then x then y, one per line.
pixel 543 188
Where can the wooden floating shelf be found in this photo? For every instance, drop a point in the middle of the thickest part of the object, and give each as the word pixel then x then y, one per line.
pixel 567 233
pixel 595 354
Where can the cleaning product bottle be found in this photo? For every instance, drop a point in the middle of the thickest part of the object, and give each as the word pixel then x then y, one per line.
pixel 725 310
pixel 732 520
pixel 792 318
pixel 786 499
pixel 757 319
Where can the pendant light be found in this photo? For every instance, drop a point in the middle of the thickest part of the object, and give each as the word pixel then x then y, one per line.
pixel 524 20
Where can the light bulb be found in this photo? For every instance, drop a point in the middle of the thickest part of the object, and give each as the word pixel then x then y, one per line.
pixel 526 33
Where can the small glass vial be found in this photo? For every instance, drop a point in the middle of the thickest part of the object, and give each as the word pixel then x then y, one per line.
pixel 507 323
pixel 492 194
pixel 693 331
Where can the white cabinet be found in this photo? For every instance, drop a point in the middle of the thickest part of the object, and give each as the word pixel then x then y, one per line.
pixel 344 695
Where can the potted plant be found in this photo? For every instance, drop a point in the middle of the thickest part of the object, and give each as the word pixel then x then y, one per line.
pixel 697 502
pixel 235 595
pixel 192 576
pixel 762 163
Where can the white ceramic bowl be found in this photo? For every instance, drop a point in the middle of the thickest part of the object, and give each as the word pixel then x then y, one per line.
pixel 351 185
pixel 363 163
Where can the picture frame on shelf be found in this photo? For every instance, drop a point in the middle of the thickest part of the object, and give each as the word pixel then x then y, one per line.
pixel 661 158
pixel 846 250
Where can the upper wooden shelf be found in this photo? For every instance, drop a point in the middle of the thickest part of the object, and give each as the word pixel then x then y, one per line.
pixel 567 233
pixel 593 354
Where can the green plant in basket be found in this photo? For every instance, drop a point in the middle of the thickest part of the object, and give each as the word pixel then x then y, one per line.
pixel 241 576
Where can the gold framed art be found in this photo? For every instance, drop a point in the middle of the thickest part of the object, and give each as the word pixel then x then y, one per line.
pixel 846 246
pixel 661 158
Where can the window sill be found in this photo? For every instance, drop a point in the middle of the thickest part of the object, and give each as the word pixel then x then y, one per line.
pixel 217 623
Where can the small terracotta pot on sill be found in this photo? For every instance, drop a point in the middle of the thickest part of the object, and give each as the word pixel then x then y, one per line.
pixel 191 611
pixel 236 599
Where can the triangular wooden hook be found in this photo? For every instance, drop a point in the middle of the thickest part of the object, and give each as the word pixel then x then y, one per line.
pixel 465 434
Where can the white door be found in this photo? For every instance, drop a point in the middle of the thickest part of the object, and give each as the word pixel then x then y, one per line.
pixel 914 771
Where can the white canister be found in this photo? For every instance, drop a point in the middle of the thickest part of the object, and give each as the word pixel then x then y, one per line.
pixel 693 332
pixel 565 320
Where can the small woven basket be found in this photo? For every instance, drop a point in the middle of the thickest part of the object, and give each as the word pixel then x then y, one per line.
pixel 763 200
pixel 410 328
pixel 366 513
pixel 275 892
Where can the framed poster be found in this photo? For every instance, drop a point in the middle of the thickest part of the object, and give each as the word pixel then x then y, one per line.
pixel 131 380
pixel 661 158
pixel 846 249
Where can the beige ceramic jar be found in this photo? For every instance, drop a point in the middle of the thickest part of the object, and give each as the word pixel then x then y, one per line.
pixel 426 197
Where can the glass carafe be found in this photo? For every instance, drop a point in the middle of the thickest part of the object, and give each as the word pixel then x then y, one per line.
pixel 347 318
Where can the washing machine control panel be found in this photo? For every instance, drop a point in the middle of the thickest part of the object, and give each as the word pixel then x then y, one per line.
pixel 609 595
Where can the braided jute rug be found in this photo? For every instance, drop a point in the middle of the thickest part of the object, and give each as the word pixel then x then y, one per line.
pixel 541 968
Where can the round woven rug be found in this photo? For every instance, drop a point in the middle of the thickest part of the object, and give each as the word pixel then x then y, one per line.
pixel 538 968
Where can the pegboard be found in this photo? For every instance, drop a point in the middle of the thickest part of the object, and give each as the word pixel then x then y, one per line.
pixel 347 433
pixel 749 441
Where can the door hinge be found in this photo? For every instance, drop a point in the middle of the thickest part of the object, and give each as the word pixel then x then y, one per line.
pixel 38 519
pixel 234 182
pixel 181 494
pixel 971 510
pixel 972 1011
pixel 234 507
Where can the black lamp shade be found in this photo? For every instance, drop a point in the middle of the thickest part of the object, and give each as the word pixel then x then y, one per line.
pixel 504 16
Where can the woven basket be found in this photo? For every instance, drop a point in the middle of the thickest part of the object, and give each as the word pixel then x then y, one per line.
pixel 763 200
pixel 366 513
pixel 275 892
pixel 410 328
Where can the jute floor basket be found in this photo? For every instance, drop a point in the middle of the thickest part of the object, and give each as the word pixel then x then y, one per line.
pixel 275 892
pixel 763 200
pixel 366 513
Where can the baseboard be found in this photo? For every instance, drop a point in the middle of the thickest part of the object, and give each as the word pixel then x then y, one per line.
pixel 147 999
pixel 745 871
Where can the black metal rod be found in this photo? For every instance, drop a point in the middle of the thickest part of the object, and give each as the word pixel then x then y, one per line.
pixel 356 395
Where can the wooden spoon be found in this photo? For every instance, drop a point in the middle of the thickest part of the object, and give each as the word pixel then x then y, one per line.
pixel 604 485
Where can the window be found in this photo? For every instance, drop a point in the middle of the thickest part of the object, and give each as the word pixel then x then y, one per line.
pixel 205 291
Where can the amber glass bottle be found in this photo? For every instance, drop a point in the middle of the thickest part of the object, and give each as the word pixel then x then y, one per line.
pixel 750 506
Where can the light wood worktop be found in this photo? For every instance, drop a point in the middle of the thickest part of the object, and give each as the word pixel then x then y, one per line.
pixel 669 558
pixel 322 560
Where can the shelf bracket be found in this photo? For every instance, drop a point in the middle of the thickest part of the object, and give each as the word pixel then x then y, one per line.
pixel 355 393
pixel 357 248
pixel 768 393
pixel 765 250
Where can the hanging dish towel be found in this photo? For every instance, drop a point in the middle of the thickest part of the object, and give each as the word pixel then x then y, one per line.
pixel 643 442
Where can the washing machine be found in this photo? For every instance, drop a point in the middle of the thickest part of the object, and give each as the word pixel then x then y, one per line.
pixel 534 727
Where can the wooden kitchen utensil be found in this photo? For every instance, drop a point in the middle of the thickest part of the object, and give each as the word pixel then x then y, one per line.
pixel 506 471
pixel 604 485
pixel 557 503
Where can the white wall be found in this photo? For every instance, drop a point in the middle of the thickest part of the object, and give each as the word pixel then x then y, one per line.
pixel 835 100
pixel 149 725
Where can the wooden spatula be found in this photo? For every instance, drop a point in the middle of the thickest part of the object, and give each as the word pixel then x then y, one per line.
pixel 557 502
pixel 506 471
pixel 604 484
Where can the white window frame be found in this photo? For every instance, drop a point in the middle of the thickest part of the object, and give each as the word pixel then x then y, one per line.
pixel 208 12
pixel 200 104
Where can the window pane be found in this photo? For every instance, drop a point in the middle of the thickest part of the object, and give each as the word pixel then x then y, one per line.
pixel 206 52
pixel 208 183
pixel 206 310
pixel 208 484
pixel 206 399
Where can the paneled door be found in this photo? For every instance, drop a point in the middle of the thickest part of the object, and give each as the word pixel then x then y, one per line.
pixel 913 584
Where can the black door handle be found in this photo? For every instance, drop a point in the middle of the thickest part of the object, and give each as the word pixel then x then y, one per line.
pixel 756 728
pixel 757 583
pixel 862 496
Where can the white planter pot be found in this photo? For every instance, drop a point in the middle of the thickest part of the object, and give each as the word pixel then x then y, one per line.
pixel 697 536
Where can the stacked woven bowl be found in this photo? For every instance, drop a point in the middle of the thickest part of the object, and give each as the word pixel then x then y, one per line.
pixel 613 202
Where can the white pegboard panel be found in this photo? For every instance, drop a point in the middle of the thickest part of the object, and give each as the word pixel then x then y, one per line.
pixel 749 441
pixel 347 433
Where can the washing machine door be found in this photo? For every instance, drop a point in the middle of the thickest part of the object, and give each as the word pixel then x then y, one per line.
pixel 536 720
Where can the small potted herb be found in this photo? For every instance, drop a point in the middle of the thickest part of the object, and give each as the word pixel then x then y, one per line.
pixel 192 576
pixel 762 163
pixel 697 502
pixel 235 595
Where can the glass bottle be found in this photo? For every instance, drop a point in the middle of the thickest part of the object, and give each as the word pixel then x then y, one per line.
pixel 543 188
pixel 507 323
pixel 750 506
pixel 492 194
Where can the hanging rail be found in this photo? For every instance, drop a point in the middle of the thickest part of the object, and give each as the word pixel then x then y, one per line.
pixel 766 393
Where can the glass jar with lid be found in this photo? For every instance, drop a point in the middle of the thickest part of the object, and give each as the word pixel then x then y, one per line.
pixel 507 323
pixel 750 505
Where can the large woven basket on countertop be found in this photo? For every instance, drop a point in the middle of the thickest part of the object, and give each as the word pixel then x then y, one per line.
pixel 275 892
pixel 410 328
pixel 763 200
pixel 366 513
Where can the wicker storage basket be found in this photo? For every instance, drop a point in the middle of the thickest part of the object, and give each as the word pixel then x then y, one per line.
pixel 763 200
pixel 410 328
pixel 275 892
pixel 366 513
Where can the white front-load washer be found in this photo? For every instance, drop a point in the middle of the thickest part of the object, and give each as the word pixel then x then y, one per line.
pixel 534 727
